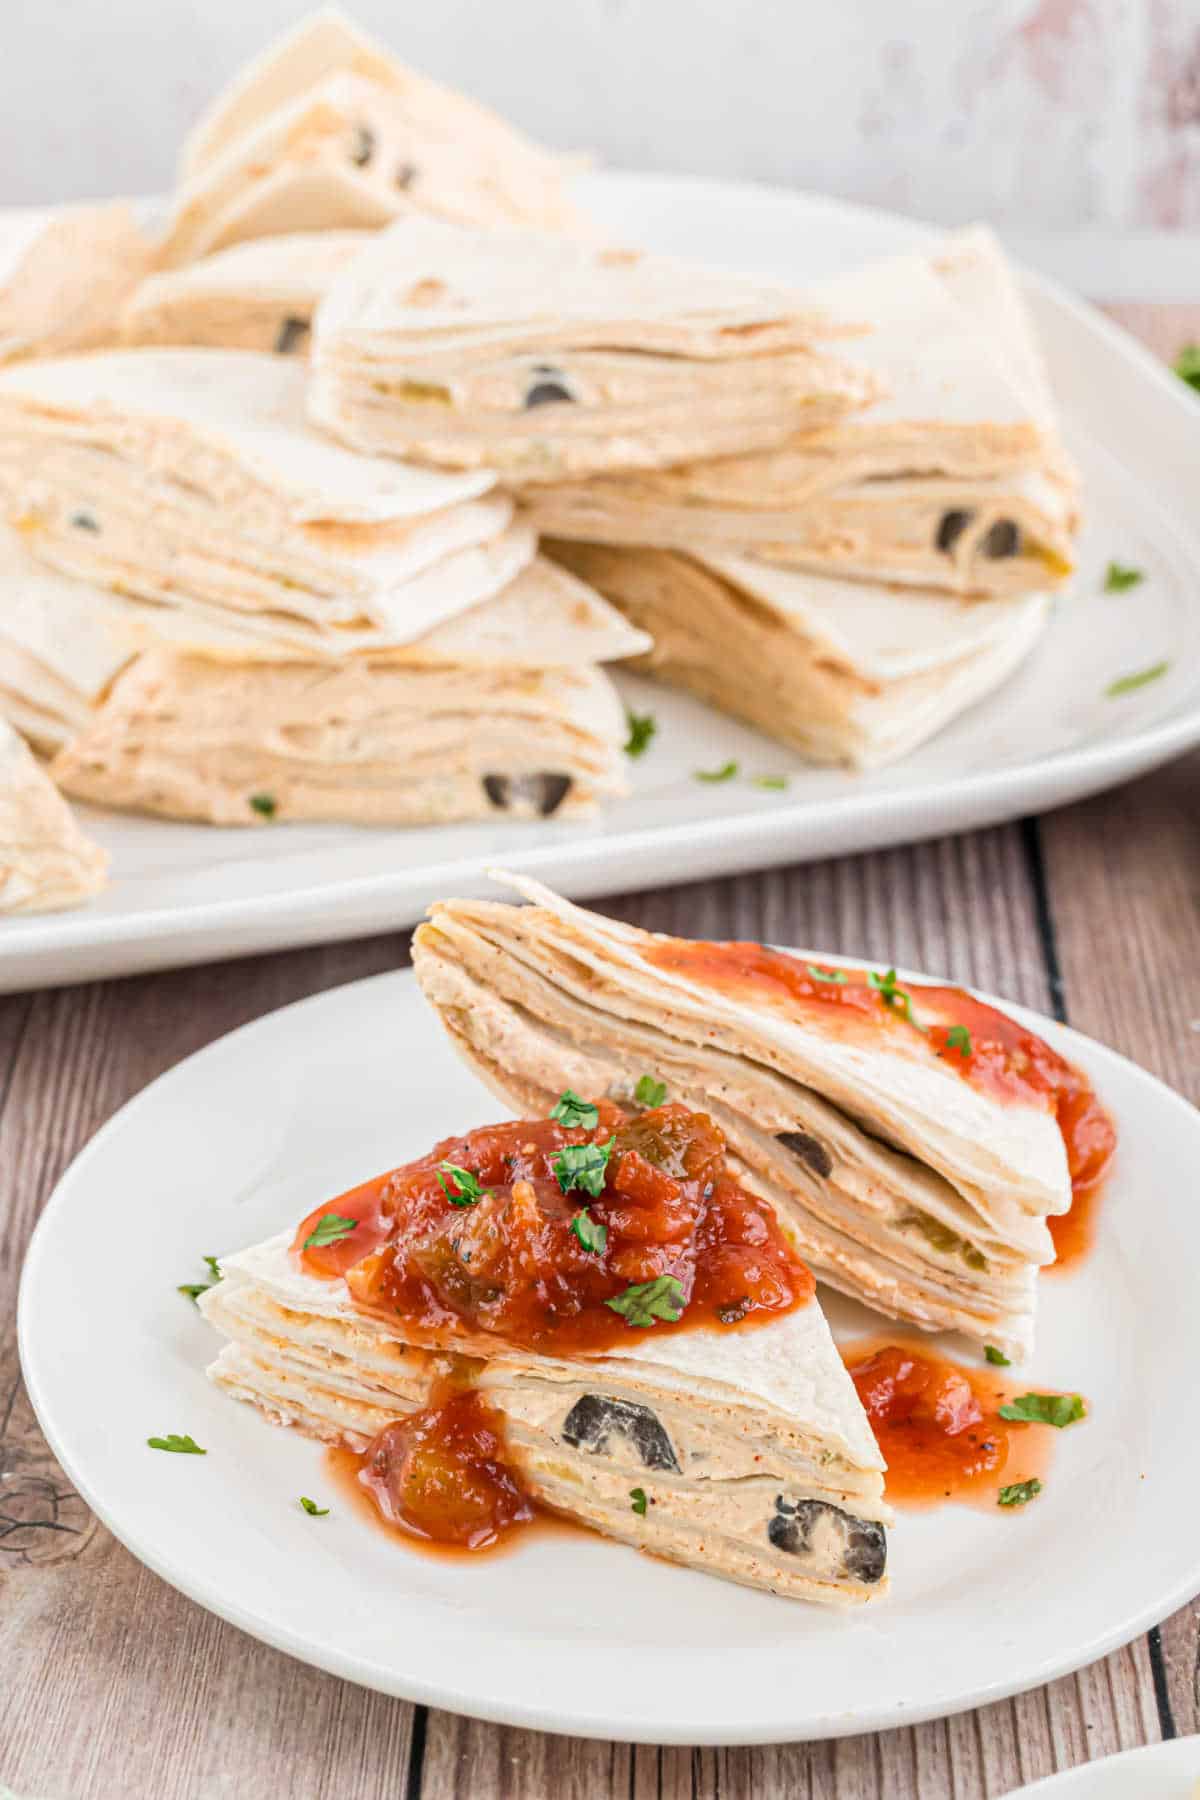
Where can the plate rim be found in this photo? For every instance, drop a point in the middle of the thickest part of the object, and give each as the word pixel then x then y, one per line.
pixel 91 945
pixel 367 1672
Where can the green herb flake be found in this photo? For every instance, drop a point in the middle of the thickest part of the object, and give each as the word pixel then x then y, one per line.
pixel 589 1233
pixel 181 1446
pixel 193 1289
pixel 959 1038
pixel 266 804
pixel 837 976
pixel 649 1092
pixel 726 772
pixel 467 1191
pixel 1019 1493
pixel 1118 578
pixel 312 1509
pixel 1045 1409
pixel 571 1111
pixel 330 1228
pixel 893 996
pixel 1129 684
pixel 1187 365
pixel 646 1301
pixel 773 783
pixel 642 727
pixel 582 1166
pixel 638 1498
pixel 996 1356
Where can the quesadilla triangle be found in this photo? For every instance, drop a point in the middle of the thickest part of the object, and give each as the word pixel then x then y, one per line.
pixel 255 296
pixel 65 273
pixel 192 478
pixel 546 357
pixel 956 479
pixel 46 861
pixel 497 713
pixel 585 1313
pixel 327 130
pixel 841 671
pixel 912 1140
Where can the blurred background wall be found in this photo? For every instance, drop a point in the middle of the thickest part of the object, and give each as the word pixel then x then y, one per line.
pixel 1042 114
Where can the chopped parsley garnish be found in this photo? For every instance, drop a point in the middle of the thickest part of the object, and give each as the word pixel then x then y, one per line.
pixel 642 727
pixel 638 1498
pixel 773 782
pixel 898 998
pixel 193 1289
pixel 647 1301
pixel 1118 578
pixel 1128 684
pixel 570 1111
pixel 1018 1493
pixel 330 1228
pixel 591 1235
pixel 312 1509
pixel 959 1038
pixel 182 1446
pixel 837 976
pixel 1187 365
pixel 996 1356
pixel 467 1191
pixel 726 772
pixel 266 804
pixel 649 1092
pixel 582 1166
pixel 1045 1409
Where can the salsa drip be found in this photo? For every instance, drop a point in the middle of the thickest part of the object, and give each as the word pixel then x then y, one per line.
pixel 519 1263
pixel 489 1235
pixel 939 1428
pixel 994 1053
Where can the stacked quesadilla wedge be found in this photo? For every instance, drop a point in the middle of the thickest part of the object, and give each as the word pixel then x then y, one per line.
pixel 842 671
pixel 255 296
pixel 191 478
pixel 724 1436
pixel 46 862
pixel 546 357
pixel 913 1141
pixel 955 479
pixel 326 130
pixel 502 711
pixel 65 273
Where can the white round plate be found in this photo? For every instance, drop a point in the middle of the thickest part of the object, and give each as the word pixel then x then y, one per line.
pixel 187 893
pixel 568 1632
pixel 1168 1771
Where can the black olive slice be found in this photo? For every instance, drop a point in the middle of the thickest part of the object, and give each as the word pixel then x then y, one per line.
pixel 864 1542
pixel 1001 539
pixel 547 393
pixel 951 527
pixel 85 521
pixel 364 146
pixel 291 334
pixel 809 1150
pixel 544 791
pixel 594 1419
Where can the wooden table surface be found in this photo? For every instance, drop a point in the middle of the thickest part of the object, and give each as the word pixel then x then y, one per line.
pixel 117 1688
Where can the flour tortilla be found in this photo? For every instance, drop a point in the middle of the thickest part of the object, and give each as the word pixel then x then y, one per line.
pixel 65 273
pixel 548 358
pixel 259 295
pixel 842 671
pixel 725 1420
pixel 902 1183
pixel 46 862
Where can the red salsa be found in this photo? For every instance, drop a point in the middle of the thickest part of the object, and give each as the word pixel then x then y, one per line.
pixel 550 1236
pixel 939 1427
pixel 980 1043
